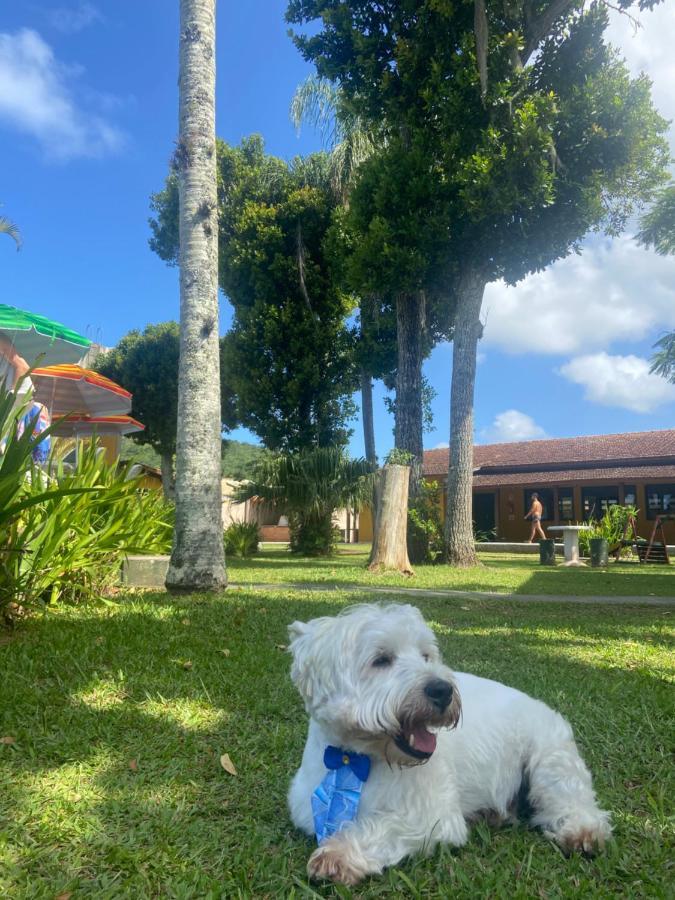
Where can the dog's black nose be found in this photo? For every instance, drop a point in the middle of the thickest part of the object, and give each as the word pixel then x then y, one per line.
pixel 439 692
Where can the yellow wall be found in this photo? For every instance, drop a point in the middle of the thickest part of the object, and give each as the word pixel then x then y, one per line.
pixel 365 524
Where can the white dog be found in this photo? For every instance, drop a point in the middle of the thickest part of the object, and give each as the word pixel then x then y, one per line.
pixel 416 751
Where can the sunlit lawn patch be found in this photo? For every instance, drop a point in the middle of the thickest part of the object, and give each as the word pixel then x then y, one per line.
pixel 499 572
pixel 114 786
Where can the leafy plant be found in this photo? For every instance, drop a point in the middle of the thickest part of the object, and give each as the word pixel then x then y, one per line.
pixel 63 534
pixel 241 539
pixel 425 525
pixel 611 527
pixel 482 535
pixel 309 486
pixel 397 457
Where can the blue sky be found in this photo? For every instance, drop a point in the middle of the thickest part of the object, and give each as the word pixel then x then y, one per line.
pixel 88 111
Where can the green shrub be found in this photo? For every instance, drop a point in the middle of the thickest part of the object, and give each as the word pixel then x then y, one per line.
pixel 425 525
pixel 241 539
pixel 309 486
pixel 63 534
pixel 313 534
pixel 611 527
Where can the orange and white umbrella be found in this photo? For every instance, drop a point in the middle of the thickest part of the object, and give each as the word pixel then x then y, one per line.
pixel 67 389
pixel 85 426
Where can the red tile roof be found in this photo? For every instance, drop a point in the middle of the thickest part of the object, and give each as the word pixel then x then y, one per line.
pixel 566 453
pixel 531 478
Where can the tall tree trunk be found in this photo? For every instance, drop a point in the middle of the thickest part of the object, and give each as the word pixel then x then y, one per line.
pixel 168 484
pixel 390 548
pixel 367 416
pixel 459 542
pixel 410 328
pixel 197 559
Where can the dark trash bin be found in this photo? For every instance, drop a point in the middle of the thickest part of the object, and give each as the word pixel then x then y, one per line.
pixel 547 552
pixel 599 552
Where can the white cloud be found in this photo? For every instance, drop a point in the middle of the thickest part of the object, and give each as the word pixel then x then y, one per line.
pixel 622 381
pixel 649 49
pixel 512 425
pixel 441 446
pixel 613 291
pixel 71 19
pixel 35 98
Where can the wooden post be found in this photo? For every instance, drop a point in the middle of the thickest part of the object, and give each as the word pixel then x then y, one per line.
pixel 390 545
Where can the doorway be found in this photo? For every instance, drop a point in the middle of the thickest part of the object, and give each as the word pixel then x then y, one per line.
pixel 484 515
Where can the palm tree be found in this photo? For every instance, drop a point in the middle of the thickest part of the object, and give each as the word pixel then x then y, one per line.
pixel 197 559
pixel 309 486
pixel 657 230
pixel 319 102
pixel 9 228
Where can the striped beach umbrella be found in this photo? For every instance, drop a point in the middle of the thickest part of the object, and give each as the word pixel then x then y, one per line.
pixel 84 426
pixel 67 389
pixel 39 339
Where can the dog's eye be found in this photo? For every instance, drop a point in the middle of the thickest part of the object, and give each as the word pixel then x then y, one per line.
pixel 382 661
pixel 426 657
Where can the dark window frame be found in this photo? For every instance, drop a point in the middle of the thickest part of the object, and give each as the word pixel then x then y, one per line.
pixel 602 489
pixel 565 494
pixel 660 490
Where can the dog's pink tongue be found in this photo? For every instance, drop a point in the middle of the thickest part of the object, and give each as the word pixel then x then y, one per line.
pixel 424 740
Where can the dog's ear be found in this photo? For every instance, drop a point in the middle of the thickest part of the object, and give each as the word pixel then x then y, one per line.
pixel 297 629
pixel 306 646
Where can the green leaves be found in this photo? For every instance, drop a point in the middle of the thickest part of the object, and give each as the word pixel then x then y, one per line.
pixel 64 533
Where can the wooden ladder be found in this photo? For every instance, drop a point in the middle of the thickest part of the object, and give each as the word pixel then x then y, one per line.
pixel 656 551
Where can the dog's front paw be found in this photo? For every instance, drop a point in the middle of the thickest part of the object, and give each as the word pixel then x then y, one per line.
pixel 587 837
pixel 333 861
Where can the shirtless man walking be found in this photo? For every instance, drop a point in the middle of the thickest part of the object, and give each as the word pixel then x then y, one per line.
pixel 534 515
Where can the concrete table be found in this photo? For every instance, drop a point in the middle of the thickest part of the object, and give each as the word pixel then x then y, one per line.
pixel 570 535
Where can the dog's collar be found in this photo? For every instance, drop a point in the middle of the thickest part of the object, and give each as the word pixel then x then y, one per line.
pixel 335 802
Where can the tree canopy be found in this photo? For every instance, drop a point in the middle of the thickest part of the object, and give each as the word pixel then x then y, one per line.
pixel 290 351
pixel 146 363
pixel 512 129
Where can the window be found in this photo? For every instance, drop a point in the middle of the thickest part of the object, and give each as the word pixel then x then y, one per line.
pixel 546 500
pixel 565 504
pixel 629 495
pixel 597 500
pixel 660 500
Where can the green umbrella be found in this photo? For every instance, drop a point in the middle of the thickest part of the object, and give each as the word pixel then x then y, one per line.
pixel 38 339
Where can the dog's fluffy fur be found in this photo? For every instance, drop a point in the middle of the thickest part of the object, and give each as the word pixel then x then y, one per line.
pixel 438 759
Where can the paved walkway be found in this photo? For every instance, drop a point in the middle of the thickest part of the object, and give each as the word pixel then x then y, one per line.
pixel 411 593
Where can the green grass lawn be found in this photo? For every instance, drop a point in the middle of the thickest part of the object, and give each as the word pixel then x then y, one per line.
pixel 111 784
pixel 500 572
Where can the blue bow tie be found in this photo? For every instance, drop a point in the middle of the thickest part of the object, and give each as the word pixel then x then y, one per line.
pixel 336 800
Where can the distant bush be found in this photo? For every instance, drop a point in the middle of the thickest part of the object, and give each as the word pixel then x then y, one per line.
pixel 241 539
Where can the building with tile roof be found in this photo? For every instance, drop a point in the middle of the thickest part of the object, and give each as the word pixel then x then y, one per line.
pixel 576 479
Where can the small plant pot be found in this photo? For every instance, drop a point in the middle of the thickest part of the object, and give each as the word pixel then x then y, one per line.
pixel 547 552
pixel 599 552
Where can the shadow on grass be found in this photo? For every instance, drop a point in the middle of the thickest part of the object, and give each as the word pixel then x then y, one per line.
pixel 86 692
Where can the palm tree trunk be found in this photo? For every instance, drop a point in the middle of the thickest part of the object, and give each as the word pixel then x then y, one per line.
pixel 367 416
pixel 459 542
pixel 410 326
pixel 168 483
pixel 197 560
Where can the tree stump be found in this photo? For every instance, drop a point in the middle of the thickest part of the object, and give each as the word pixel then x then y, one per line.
pixel 390 545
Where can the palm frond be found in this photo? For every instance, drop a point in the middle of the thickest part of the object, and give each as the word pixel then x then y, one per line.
pixel 9 228
pixel 663 361
pixel 310 481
